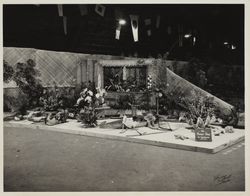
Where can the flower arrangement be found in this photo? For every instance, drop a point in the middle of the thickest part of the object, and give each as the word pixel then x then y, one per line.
pixel 100 96
pixel 90 98
pixel 200 109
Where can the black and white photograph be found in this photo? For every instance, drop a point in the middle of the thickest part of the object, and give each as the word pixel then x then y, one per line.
pixel 123 97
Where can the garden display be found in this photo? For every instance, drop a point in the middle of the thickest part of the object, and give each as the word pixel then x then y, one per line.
pixel 175 88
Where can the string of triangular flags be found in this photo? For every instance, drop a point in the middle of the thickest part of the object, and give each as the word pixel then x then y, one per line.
pixel 134 20
pixel 60 13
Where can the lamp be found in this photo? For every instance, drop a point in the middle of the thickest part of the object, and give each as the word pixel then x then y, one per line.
pixel 122 21
pixel 188 35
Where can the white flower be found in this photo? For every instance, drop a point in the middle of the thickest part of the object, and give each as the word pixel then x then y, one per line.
pixel 79 100
pixel 97 95
pixel 82 94
pixel 102 92
pixel 90 93
pixel 88 99
pixel 98 89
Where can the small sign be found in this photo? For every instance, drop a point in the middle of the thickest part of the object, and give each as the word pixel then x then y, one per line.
pixel 203 135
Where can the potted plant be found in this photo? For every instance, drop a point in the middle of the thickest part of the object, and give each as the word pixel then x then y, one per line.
pixel 86 106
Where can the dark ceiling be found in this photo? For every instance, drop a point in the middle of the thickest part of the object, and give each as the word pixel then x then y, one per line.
pixel 41 27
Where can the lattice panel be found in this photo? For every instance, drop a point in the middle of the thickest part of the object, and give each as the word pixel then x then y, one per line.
pixel 57 67
pixel 15 55
pixel 180 87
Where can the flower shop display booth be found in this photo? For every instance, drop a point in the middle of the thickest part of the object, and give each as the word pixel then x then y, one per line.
pixel 71 91
pixel 129 83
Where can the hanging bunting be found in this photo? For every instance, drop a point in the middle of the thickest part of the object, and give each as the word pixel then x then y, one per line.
pixel 148 23
pixel 83 10
pixel 194 40
pixel 118 14
pixel 60 9
pixel 169 29
pixel 180 33
pixel 100 9
pixel 65 24
pixel 149 32
pixel 118 31
pixel 158 19
pixel 134 24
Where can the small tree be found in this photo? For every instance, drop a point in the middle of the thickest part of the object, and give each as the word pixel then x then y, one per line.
pixel 25 76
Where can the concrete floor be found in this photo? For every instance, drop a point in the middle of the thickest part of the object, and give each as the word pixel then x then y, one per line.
pixel 39 160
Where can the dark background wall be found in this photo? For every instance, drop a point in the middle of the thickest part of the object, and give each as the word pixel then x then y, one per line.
pixel 41 27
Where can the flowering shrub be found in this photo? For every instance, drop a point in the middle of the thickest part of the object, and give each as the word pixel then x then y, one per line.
pixel 90 98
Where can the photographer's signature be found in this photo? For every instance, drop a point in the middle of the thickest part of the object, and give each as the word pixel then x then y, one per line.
pixel 220 179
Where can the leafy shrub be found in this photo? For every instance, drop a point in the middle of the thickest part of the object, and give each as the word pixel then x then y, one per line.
pixel 198 106
pixel 25 76
pixel 14 104
pixel 8 72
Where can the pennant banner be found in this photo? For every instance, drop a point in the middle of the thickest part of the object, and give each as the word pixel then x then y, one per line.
pixel 60 10
pixel 149 32
pixel 118 14
pixel 148 23
pixel 180 31
pixel 158 19
pixel 194 40
pixel 100 9
pixel 118 31
pixel 83 10
pixel 169 30
pixel 134 24
pixel 65 24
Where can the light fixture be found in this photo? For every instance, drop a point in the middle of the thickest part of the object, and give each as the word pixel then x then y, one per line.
pixel 233 47
pixel 194 40
pixel 122 21
pixel 187 35
pixel 225 43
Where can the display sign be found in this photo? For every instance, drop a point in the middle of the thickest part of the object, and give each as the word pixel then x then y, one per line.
pixel 203 135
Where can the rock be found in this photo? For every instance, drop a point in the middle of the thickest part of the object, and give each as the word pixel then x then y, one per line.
pixel 200 123
pixel 229 129
pixel 208 121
